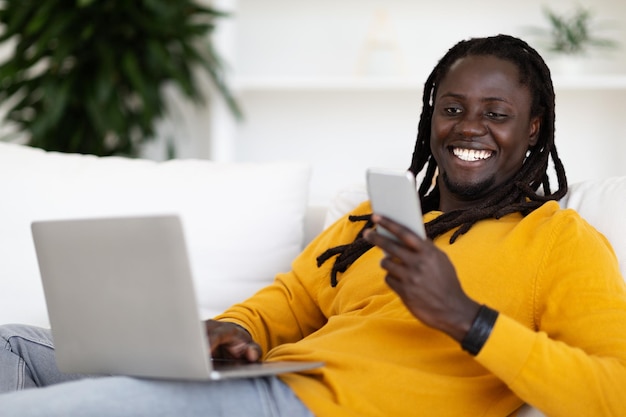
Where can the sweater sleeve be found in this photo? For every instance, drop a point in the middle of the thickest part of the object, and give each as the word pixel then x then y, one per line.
pixel 574 362
pixel 289 309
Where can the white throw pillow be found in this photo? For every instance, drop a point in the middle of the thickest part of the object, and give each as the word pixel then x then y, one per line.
pixel 602 203
pixel 243 221
pixel 346 200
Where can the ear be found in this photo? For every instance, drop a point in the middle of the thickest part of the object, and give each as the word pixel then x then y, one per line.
pixel 533 134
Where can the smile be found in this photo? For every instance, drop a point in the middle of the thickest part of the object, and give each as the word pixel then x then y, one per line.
pixel 471 155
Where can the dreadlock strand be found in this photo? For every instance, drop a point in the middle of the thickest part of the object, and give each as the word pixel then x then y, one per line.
pixel 519 193
pixel 347 254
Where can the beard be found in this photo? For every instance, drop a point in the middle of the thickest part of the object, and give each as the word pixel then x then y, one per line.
pixel 468 190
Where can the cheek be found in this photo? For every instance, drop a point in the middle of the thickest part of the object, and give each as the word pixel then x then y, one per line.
pixel 517 141
pixel 439 130
pixel 514 145
pixel 435 142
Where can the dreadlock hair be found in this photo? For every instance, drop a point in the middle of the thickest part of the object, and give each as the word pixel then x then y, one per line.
pixel 520 192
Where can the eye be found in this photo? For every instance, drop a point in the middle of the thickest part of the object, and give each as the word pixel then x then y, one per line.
pixel 495 115
pixel 452 111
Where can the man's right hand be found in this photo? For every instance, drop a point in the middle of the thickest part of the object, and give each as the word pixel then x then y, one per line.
pixel 230 341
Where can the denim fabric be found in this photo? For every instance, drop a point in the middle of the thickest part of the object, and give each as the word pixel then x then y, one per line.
pixel 27 361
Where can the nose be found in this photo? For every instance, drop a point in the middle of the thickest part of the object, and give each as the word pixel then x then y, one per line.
pixel 471 126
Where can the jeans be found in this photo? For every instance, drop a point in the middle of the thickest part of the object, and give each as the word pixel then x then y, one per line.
pixel 27 361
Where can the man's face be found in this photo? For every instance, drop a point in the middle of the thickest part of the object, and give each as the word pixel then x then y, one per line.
pixel 481 128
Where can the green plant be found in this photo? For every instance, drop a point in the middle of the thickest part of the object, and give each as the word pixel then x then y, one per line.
pixel 88 76
pixel 572 33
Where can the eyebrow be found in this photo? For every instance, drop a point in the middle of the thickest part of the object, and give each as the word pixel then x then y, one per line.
pixel 485 99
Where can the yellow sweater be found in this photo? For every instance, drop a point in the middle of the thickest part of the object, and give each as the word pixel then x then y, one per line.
pixel 558 344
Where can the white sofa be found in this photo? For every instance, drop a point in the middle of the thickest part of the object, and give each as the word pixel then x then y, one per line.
pixel 243 222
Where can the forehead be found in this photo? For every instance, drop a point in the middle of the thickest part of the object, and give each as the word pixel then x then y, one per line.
pixel 483 75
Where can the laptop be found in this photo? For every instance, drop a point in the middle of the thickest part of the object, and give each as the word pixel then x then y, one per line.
pixel 121 301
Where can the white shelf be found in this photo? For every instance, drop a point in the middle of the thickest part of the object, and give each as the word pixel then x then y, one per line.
pixel 590 82
pixel 326 83
pixel 399 84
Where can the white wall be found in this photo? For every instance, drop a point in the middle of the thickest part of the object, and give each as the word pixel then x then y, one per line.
pixel 297 67
pixel 294 64
pixel 294 61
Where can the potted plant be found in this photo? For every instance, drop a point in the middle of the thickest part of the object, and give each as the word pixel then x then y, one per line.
pixel 571 36
pixel 88 76
pixel 573 33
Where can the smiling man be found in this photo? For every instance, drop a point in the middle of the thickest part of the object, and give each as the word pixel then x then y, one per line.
pixel 509 300
pixel 481 128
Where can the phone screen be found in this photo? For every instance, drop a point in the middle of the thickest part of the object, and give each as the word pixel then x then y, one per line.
pixel 393 194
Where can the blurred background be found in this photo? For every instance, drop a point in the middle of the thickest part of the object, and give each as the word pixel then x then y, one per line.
pixel 338 83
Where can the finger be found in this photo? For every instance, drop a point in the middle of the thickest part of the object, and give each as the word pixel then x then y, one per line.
pixel 219 341
pixel 394 284
pixel 229 341
pixel 397 267
pixel 395 252
pixel 250 351
pixel 253 352
pixel 383 240
pixel 224 335
pixel 387 244
pixel 404 234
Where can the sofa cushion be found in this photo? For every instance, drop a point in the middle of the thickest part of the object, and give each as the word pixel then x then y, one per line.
pixel 602 203
pixel 243 222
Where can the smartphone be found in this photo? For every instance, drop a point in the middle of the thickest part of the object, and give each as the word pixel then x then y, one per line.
pixel 393 194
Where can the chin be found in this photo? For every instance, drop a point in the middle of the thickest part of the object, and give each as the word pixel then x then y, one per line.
pixel 468 189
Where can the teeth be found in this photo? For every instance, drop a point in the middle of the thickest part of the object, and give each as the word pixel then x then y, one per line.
pixel 471 154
